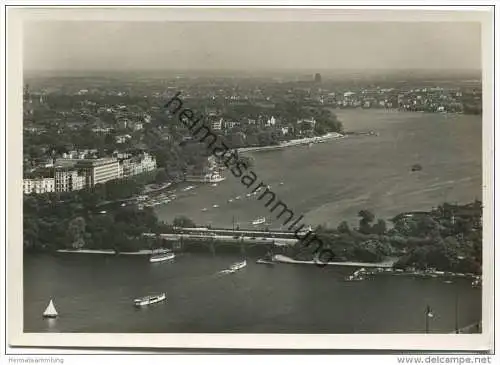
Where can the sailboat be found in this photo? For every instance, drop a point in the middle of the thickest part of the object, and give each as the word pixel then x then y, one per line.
pixel 50 311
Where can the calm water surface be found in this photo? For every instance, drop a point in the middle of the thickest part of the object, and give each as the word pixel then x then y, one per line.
pixel 96 293
pixel 327 183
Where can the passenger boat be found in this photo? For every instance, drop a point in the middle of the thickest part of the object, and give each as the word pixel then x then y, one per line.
pixel 150 299
pixel 162 256
pixel 265 261
pixel 259 221
pixel 238 266
pixel 50 311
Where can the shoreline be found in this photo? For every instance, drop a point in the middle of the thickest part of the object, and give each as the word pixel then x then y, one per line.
pixel 105 252
pixel 287 260
pixel 293 142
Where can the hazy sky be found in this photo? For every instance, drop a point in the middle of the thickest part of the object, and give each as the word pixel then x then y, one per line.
pixel 85 45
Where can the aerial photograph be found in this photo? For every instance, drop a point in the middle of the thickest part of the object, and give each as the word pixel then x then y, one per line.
pixel 252 177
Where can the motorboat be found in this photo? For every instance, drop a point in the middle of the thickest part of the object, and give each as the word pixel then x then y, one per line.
pixel 238 197
pixel 204 209
pixel 265 261
pixel 215 206
pixel 150 299
pixel 50 311
pixel 162 256
pixel 230 200
pixel 416 167
pixel 214 184
pixel 238 265
pixel 260 220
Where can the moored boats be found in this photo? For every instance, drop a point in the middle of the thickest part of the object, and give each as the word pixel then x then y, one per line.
pixel 476 283
pixel 150 299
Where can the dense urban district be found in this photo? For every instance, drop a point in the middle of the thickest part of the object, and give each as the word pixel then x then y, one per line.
pixel 91 142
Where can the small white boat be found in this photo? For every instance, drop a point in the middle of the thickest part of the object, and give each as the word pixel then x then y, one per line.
pixel 265 261
pixel 215 206
pixel 230 200
pixel 259 221
pixel 102 212
pixel 188 188
pixel 238 197
pixel 238 266
pixel 249 195
pixel 163 256
pixel 123 204
pixel 282 183
pixel 150 299
pixel 50 311
pixel 214 184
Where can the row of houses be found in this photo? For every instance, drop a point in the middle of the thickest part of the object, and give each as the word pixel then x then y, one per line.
pixel 220 123
pixel 76 174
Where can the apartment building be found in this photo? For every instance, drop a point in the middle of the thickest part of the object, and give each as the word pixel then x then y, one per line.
pixel 39 186
pixel 67 179
pixel 137 165
pixel 98 171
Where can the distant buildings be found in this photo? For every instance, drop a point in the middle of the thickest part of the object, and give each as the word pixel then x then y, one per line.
pixel 317 78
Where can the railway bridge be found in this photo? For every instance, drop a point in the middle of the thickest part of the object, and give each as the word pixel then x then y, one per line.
pixel 213 238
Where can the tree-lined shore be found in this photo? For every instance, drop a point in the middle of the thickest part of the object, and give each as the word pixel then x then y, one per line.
pixel 448 237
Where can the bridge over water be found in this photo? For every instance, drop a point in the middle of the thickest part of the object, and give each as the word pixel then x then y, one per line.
pixel 217 237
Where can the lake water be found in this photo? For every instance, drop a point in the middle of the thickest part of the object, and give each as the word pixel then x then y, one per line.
pixel 333 181
pixel 327 183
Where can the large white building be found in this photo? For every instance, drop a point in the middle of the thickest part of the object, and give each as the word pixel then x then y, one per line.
pixel 68 179
pixel 98 171
pixel 39 186
pixel 137 165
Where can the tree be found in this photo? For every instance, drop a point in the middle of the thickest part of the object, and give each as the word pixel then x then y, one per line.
pixel 380 227
pixel 161 176
pixel 343 227
pixel 366 218
pixel 76 232
pixel 183 221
